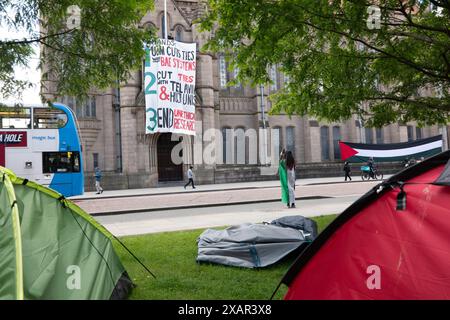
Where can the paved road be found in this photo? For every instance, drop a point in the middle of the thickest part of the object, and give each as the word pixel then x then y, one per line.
pixel 210 187
pixel 142 211
pixel 197 218
pixel 177 199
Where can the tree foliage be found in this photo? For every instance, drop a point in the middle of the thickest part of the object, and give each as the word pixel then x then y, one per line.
pixel 91 47
pixel 338 62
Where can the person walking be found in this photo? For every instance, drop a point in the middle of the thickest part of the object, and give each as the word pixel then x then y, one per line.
pixel 347 171
pixel 290 170
pixel 98 178
pixel 282 174
pixel 190 176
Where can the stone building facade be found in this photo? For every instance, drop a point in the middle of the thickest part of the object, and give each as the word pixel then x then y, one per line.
pixel 112 123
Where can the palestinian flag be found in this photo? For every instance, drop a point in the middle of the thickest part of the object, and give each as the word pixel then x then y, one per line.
pixel 361 152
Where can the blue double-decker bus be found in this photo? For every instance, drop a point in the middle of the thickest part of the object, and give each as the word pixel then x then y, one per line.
pixel 43 144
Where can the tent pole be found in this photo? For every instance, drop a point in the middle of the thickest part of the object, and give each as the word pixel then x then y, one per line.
pixel 132 254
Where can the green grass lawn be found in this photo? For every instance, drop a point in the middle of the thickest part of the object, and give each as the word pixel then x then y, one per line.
pixel 171 256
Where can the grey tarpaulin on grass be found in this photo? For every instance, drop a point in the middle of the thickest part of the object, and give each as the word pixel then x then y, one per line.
pixel 250 245
pixel 308 226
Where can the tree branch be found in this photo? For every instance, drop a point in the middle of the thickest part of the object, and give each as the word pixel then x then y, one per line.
pixel 28 41
pixel 399 59
pixel 441 107
pixel 420 26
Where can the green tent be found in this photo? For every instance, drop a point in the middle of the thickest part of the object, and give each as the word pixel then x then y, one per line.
pixel 52 249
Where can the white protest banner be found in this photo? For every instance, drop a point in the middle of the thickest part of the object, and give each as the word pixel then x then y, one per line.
pixel 169 79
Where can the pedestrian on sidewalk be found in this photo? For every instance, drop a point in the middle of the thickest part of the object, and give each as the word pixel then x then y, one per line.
pixel 290 167
pixel 190 176
pixel 347 171
pixel 98 178
pixel 282 173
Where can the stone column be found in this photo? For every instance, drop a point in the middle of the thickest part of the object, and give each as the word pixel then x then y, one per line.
pixel 107 118
pixel 206 107
pixel 403 133
pixel 128 93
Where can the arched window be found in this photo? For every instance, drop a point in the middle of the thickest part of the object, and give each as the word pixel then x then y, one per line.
pixel 336 138
pixel 273 78
pixel 83 108
pixel 179 34
pixel 277 140
pixel 163 26
pixel 325 142
pixel 410 133
pixel 379 135
pixel 369 135
pixel 235 75
pixel 223 72
pixel 227 145
pixel 290 139
pixel 239 150
pixel 70 101
pixel 418 133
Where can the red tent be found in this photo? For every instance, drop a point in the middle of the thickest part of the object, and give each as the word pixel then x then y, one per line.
pixel 393 243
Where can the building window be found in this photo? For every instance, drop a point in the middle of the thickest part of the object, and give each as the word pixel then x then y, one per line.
pixel 433 7
pixel 369 135
pixel 235 75
pixel 70 102
pixel 179 34
pixel 336 138
pixel 227 151
pixel 93 107
pixel 360 47
pixel 95 157
pixel 418 133
pixel 163 26
pixel 224 145
pixel 223 71
pixel 277 139
pixel 325 143
pixel 290 139
pixel 273 78
pixel 320 88
pixel 410 133
pixel 379 135
pixel 86 108
pixel 239 150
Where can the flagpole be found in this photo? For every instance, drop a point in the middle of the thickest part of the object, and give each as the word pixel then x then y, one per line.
pixel 165 20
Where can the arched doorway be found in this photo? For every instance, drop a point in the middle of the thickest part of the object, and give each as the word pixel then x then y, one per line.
pixel 167 170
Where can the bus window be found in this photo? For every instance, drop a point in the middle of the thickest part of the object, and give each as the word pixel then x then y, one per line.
pixel 15 118
pixel 60 162
pixel 46 118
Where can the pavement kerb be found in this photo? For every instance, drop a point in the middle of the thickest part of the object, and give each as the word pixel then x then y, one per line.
pixel 166 193
pixel 206 205
pixel 206 190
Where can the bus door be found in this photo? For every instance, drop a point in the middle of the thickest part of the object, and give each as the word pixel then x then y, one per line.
pixel 64 166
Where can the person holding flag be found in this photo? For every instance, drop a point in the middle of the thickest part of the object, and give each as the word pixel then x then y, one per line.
pixel 282 173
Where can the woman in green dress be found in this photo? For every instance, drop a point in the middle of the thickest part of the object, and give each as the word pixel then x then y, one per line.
pixel 282 173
